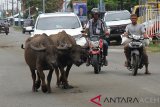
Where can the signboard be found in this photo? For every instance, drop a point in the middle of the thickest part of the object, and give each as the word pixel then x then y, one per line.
pixel 80 8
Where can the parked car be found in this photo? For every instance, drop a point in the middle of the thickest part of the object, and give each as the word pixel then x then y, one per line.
pixel 27 26
pixel 4 26
pixel 117 21
pixel 53 23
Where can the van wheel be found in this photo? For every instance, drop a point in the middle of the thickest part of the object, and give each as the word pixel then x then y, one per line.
pixel 23 31
pixel 119 41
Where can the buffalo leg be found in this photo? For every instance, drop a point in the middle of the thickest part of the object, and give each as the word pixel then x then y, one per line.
pixel 49 77
pixel 67 73
pixel 67 70
pixel 38 81
pixel 57 75
pixel 34 79
pixel 64 79
pixel 42 76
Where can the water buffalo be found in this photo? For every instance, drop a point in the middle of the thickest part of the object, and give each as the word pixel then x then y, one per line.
pixel 40 54
pixel 69 54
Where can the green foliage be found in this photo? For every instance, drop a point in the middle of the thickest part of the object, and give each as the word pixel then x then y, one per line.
pixel 111 4
pixel 154 47
pixel 120 4
pixel 92 4
pixel 50 5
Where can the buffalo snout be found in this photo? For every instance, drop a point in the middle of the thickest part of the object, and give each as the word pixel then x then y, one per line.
pixel 79 62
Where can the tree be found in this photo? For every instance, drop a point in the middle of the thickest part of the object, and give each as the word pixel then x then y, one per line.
pixel 50 6
pixel 92 4
pixel 120 4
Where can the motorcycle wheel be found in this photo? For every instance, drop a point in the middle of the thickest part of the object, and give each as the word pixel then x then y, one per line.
pixel 135 61
pixel 97 67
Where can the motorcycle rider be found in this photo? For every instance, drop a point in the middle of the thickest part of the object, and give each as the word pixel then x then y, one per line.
pixel 135 29
pixel 96 26
pixel 6 25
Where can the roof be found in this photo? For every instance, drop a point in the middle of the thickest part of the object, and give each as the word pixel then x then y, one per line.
pixel 57 14
pixel 15 15
pixel 117 11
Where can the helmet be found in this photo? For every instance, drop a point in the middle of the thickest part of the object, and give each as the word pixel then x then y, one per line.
pixel 95 10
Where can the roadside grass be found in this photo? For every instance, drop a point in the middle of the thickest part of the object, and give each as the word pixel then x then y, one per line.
pixel 17 28
pixel 154 47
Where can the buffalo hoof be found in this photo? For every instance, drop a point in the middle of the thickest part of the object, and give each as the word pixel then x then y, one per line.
pixel 147 72
pixel 66 86
pixel 58 85
pixel 44 88
pixel 49 89
pixel 37 84
pixel 34 89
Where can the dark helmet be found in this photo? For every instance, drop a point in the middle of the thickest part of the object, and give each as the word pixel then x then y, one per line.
pixel 95 10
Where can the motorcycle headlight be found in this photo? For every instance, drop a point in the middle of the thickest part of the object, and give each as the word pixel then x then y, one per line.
pixel 82 42
pixel 136 37
pixel 95 44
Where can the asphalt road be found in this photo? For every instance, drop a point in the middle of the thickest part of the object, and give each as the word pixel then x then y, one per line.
pixel 113 87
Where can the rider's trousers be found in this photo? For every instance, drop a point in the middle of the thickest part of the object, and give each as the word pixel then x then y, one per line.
pixel 127 54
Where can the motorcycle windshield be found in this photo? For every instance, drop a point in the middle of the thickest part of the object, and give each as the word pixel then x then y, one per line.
pixel 94 38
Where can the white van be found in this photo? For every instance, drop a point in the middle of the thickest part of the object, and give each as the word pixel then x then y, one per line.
pixel 117 22
pixel 53 23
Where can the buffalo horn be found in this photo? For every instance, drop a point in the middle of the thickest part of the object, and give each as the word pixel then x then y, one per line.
pixel 37 49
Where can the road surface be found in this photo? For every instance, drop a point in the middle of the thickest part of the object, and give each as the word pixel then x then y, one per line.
pixel 113 87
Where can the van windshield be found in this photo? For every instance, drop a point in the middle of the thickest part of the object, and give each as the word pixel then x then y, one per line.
pixel 28 23
pixel 58 22
pixel 117 16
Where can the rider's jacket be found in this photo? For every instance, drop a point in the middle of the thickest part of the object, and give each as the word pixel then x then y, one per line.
pixel 95 28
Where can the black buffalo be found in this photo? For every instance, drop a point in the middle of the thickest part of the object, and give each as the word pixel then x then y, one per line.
pixel 40 54
pixel 69 53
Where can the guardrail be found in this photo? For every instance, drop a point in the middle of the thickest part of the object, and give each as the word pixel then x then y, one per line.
pixel 152 23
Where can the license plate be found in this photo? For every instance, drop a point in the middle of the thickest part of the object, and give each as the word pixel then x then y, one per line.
pixel 136 43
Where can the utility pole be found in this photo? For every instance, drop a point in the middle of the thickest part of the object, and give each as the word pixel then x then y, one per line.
pixel 17 6
pixel 29 15
pixel 19 17
pixel 65 5
pixel 12 8
pixel 7 5
pixel 43 6
pixel 3 10
pixel 121 4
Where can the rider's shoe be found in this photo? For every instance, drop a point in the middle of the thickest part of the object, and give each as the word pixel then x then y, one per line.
pixel 87 62
pixel 105 62
pixel 126 64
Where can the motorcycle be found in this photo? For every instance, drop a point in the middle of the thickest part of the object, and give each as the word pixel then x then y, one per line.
pixel 4 29
pixel 136 56
pixel 96 58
